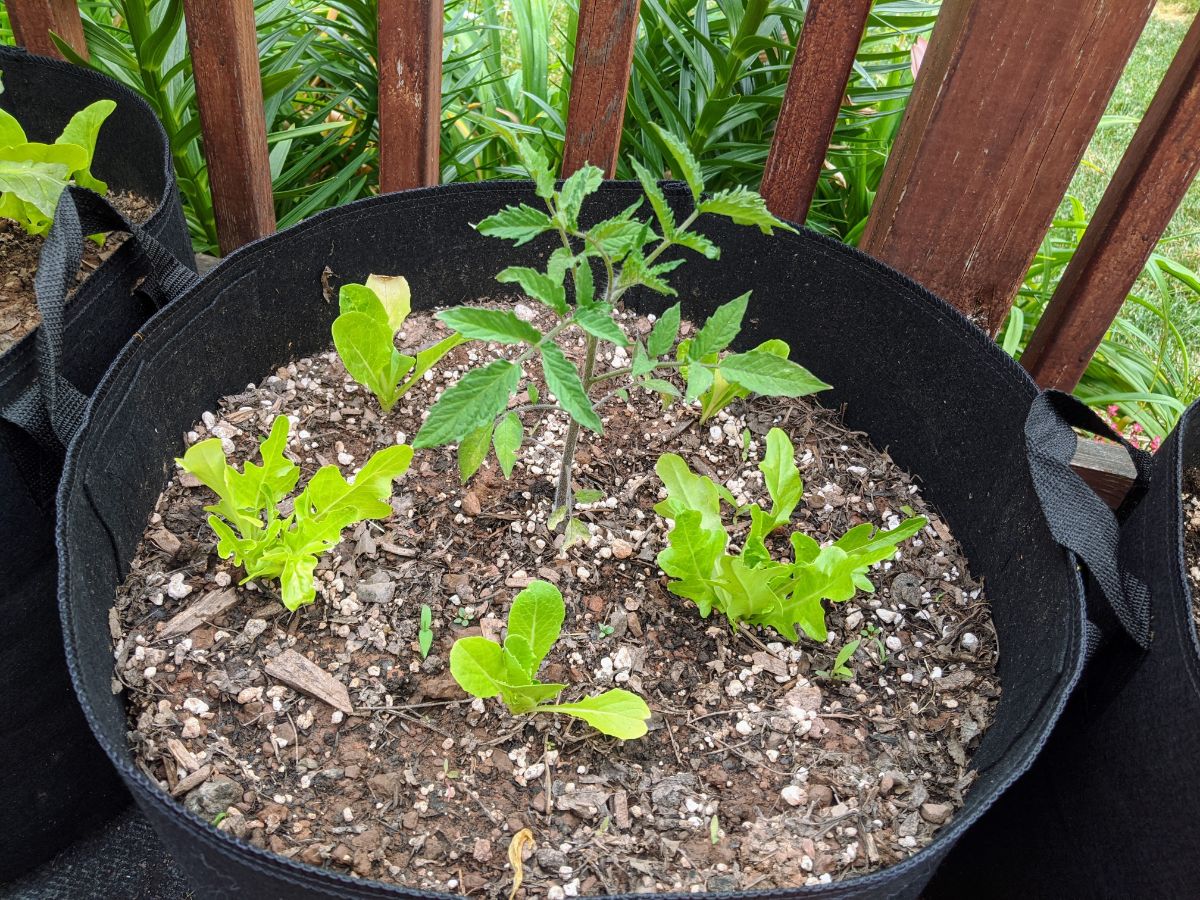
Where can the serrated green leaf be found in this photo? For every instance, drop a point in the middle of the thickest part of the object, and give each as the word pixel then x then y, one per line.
pixel 698 242
pixel 598 321
pixel 501 326
pixel 585 284
pixel 770 375
pixel 685 164
pixel 575 533
pixel 520 224
pixel 538 167
pixel 507 441
pixel 538 285
pixel 563 381
pixel 473 450
pixel 582 182
pixel 720 328
pixel 664 332
pixel 477 665
pixel 658 200
pixel 660 386
pixel 537 616
pixel 743 207
pixel 478 397
pixel 617 712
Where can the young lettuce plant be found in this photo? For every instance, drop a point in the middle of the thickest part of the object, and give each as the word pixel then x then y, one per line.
pixel 475 412
pixel 486 669
pixel 749 587
pixel 33 175
pixel 246 517
pixel 364 334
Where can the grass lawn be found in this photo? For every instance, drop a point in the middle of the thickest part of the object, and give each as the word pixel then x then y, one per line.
pixel 1164 32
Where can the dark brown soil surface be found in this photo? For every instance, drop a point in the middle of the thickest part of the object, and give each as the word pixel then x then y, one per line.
pixel 19 254
pixel 1191 537
pixel 757 771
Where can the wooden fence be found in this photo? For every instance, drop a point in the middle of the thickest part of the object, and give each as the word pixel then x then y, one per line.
pixel 1006 101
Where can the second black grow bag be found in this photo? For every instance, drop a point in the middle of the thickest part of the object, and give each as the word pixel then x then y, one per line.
pixel 1111 807
pixel 55 783
pixel 915 375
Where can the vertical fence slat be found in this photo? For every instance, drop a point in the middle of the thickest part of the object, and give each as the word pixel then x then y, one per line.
pixel 599 83
pixel 33 20
pixel 1148 186
pixel 224 47
pixel 825 54
pixel 410 93
pixel 1009 93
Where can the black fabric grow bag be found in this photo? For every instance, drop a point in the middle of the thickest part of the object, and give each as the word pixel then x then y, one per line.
pixel 924 383
pixel 55 783
pixel 1112 808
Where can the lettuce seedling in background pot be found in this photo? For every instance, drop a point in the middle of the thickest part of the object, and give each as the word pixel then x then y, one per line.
pixel 485 669
pixel 34 175
pixel 364 335
pixel 475 412
pixel 246 517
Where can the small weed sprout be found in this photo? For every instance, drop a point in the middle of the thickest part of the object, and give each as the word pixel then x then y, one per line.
pixel 425 635
pixel 839 670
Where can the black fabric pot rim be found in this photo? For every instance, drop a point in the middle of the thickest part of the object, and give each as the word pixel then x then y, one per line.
pixel 1182 453
pixel 241 263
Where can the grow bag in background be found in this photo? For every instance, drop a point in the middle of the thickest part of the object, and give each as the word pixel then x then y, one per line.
pixel 54 781
pixel 1112 808
pixel 923 382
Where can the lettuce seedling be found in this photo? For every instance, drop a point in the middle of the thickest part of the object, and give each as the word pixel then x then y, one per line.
pixel 365 337
pixel 475 412
pixel 750 587
pixel 34 175
pixel 250 528
pixel 486 669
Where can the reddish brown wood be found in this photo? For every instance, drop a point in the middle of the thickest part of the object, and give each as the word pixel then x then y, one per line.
pixel 33 20
pixel 600 81
pixel 1162 160
pixel 1106 468
pixel 224 48
pixel 824 57
pixel 410 93
pixel 1009 93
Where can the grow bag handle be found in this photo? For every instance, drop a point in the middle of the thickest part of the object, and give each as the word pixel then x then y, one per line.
pixel 1079 520
pixel 53 411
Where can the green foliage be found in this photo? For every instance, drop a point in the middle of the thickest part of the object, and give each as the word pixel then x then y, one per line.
pixel 486 669
pixel 751 587
pixel 1144 365
pixel 629 252
pixel 839 670
pixel 372 314
pixel 425 635
pixel 34 175
pixel 246 517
